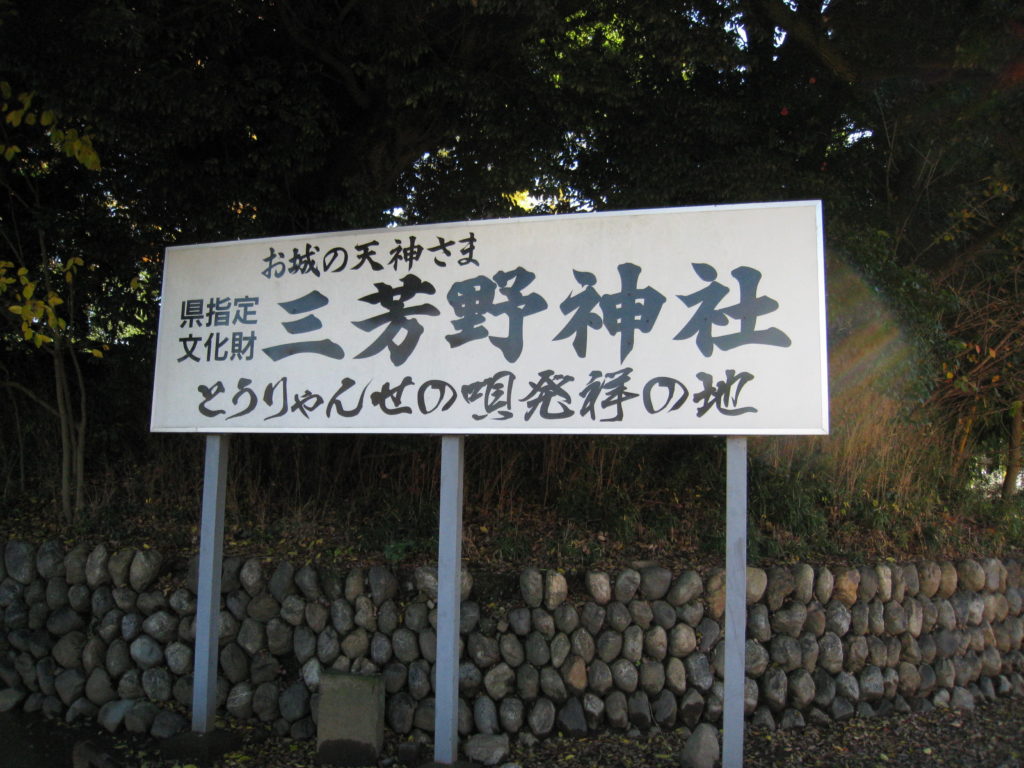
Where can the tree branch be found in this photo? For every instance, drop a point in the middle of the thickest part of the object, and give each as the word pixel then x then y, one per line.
pixel 299 34
pixel 30 395
pixel 1012 218
pixel 781 16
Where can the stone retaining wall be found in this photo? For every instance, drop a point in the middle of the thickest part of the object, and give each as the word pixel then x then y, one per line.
pixel 94 633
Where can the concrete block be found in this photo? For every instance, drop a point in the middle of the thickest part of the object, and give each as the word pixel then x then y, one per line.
pixel 350 725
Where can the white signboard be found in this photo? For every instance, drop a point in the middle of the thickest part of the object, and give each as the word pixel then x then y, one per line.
pixel 687 320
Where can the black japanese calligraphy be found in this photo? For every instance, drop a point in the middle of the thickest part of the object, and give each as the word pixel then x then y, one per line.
pixel 580 306
pixel 435 394
pixel 623 313
pixel 218 312
pixel 244 393
pixel 269 394
pixel 210 393
pixel 477 300
pixel 407 253
pixel 401 329
pixel 364 255
pixel 749 307
pixel 304 304
pixel 631 309
pixel 472 300
pixel 605 397
pixel 335 404
pixel 667 386
pixel 496 393
pixel 723 394
pixel 276 266
pixel 321 261
pixel 613 385
pixel 549 396
pixel 389 398
pixel 304 262
pixel 306 403
pixel 332 256
pixel 245 310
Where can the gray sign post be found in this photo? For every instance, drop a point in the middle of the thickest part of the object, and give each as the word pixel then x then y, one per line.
pixel 735 600
pixel 449 567
pixel 211 551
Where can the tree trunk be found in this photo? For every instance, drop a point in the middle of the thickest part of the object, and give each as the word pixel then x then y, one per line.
pixel 79 438
pixel 20 438
pixel 1013 457
pixel 64 417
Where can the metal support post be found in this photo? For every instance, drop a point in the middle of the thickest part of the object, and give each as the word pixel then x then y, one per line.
pixel 211 550
pixel 449 573
pixel 735 600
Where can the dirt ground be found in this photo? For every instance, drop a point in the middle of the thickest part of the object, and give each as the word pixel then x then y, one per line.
pixel 992 736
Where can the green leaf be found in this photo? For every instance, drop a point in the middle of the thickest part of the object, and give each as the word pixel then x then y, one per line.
pixel 88 158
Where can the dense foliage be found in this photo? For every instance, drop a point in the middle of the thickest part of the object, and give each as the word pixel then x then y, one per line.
pixel 130 126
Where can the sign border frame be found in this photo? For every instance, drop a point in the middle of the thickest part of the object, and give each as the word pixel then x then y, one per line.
pixel 489 429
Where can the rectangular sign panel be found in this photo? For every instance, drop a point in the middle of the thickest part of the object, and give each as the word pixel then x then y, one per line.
pixel 686 320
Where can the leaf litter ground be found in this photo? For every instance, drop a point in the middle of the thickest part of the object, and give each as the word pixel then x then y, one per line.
pixel 991 736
